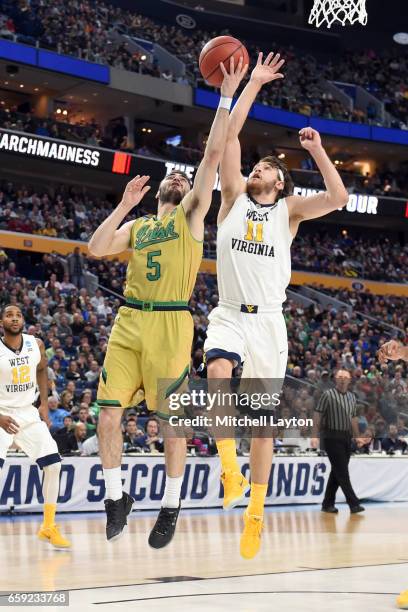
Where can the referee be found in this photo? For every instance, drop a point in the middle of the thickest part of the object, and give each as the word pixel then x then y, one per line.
pixel 336 417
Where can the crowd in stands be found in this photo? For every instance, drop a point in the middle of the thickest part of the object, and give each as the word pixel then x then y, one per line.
pixel 74 213
pixel 383 75
pixel 75 323
pixel 91 31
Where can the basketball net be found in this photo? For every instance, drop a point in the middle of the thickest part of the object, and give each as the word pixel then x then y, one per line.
pixel 329 11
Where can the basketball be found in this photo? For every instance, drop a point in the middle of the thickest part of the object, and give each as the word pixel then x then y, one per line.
pixel 217 50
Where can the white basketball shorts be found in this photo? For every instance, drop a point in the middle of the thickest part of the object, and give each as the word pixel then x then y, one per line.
pixel 258 340
pixel 33 437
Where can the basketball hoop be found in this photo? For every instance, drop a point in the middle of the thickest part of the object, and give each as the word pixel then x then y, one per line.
pixel 329 11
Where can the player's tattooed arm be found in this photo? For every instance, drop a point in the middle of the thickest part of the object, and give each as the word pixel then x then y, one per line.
pixel 107 239
pixel 42 381
pixel 320 204
pixel 232 181
pixel 197 202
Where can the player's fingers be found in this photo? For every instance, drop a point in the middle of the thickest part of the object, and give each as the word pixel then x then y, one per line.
pixel 139 183
pixel 143 180
pixel 145 189
pixel 243 71
pixel 275 59
pixel 259 60
pixel 232 65
pixel 239 67
pixel 223 69
pixel 268 59
pixel 279 65
pixel 278 75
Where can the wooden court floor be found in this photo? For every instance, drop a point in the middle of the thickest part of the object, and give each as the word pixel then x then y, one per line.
pixel 297 542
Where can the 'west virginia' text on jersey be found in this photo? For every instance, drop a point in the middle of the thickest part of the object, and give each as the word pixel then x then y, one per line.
pixel 253 253
pixel 18 374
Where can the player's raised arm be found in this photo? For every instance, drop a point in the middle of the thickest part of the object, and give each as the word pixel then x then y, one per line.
pixel 198 200
pixel 232 181
pixel 321 204
pixel 107 239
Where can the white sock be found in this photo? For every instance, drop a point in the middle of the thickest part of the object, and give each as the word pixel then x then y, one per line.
pixel 171 497
pixel 113 483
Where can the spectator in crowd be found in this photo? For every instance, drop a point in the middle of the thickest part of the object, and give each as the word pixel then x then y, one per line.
pixel 76 268
pixel 90 446
pixel 151 440
pixel 132 433
pixel 69 441
pixel 393 442
pixel 56 414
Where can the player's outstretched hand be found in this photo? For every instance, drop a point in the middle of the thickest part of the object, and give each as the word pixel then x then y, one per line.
pixel 232 78
pixel 134 192
pixel 390 350
pixel 9 425
pixel 309 139
pixel 268 70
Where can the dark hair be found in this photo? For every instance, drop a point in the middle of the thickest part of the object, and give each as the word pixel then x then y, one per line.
pixel 276 163
pixel 183 174
pixel 3 309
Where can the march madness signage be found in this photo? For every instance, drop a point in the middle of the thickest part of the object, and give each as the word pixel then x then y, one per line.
pixel 294 480
pixel 53 150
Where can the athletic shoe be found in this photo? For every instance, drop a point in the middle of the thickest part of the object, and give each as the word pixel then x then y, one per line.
pixel 356 509
pixel 235 488
pixel 402 600
pixel 164 528
pixel 330 509
pixel 53 536
pixel 116 513
pixel 251 536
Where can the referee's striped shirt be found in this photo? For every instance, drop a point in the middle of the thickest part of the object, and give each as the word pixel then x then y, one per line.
pixel 337 410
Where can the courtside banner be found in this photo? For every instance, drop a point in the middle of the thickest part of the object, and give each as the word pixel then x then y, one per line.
pixel 294 480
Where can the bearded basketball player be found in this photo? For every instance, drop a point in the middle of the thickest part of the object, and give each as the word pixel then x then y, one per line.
pixel 152 335
pixel 23 365
pixel 257 222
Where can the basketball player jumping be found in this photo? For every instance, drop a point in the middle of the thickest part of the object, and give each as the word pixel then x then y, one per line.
pixel 257 222
pixel 152 335
pixel 23 365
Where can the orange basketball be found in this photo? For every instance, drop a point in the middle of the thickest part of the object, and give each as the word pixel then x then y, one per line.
pixel 217 50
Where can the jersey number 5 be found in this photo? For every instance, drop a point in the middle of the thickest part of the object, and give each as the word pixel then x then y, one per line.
pixel 250 231
pixel 21 375
pixel 153 265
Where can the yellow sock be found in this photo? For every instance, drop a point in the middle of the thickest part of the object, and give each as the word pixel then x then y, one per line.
pixel 49 514
pixel 257 499
pixel 228 455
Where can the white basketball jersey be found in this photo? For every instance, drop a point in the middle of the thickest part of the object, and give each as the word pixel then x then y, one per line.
pixel 253 253
pixel 18 373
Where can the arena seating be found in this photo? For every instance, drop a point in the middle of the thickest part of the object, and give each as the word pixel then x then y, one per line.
pixel 87 30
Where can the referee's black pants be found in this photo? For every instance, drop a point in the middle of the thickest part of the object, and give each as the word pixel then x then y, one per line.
pixel 338 448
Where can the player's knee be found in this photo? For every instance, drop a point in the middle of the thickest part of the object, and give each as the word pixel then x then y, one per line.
pixel 173 444
pixel 109 418
pixel 219 368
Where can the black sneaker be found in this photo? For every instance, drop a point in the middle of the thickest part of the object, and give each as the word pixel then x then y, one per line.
pixel 330 509
pixel 164 528
pixel 356 509
pixel 117 512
